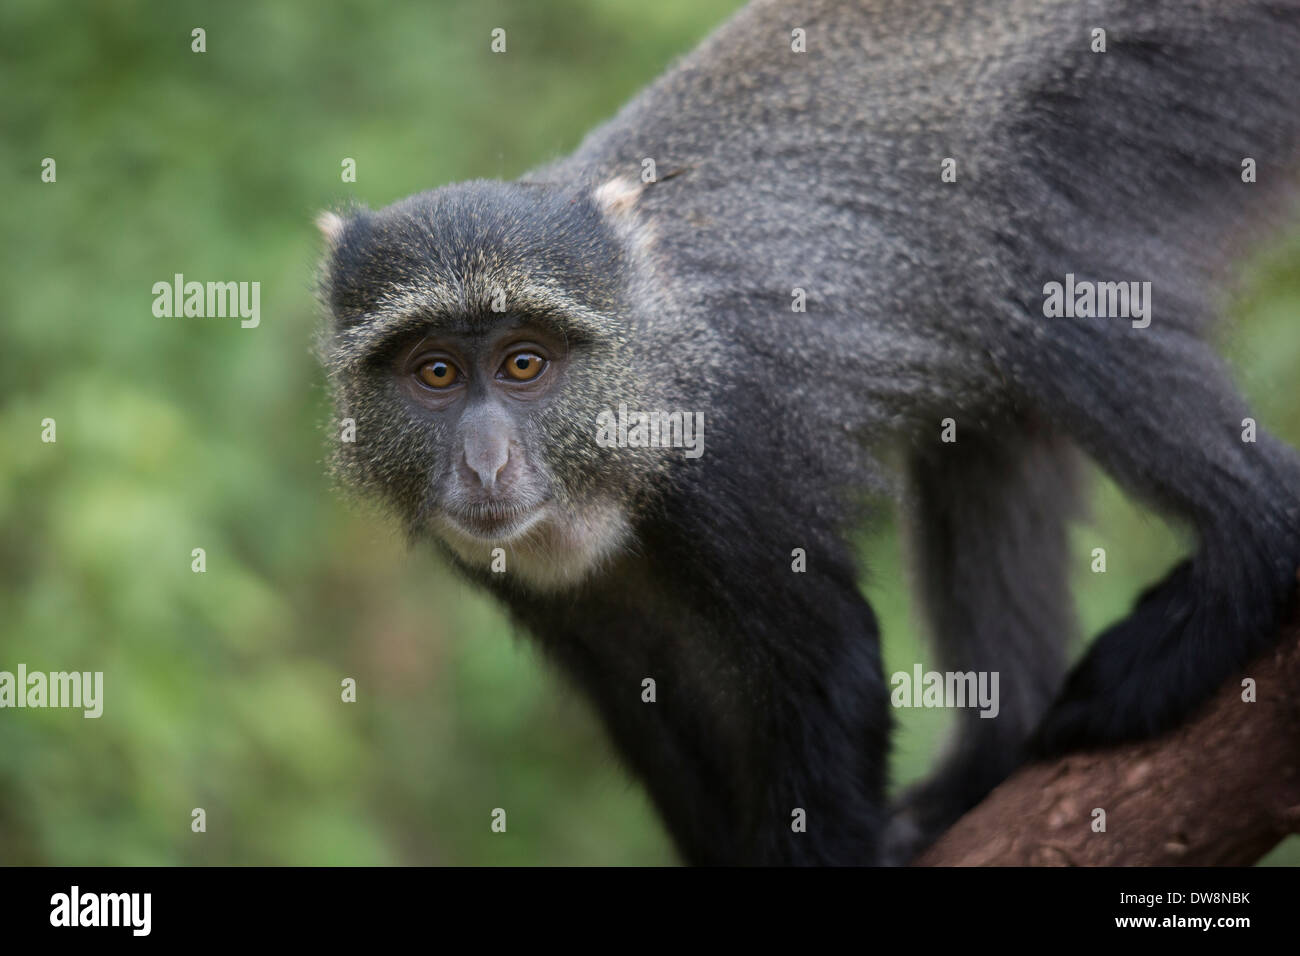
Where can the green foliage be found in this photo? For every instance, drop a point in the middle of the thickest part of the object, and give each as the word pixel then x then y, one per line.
pixel 222 689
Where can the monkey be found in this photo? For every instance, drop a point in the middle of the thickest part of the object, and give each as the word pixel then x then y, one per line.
pixel 919 173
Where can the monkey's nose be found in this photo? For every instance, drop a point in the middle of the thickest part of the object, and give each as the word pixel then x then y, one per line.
pixel 487 459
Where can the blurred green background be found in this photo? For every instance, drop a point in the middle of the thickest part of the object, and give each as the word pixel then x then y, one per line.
pixel 223 688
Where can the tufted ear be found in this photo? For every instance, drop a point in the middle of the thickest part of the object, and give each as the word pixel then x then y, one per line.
pixel 616 197
pixel 331 226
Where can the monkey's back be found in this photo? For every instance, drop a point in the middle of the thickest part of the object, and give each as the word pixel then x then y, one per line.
pixel 821 171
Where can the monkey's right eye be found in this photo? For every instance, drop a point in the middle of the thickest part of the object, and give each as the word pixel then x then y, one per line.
pixel 438 373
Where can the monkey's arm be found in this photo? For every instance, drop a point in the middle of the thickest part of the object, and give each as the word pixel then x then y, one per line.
pixel 765 740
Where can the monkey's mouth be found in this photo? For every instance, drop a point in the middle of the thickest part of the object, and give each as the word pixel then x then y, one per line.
pixel 495 523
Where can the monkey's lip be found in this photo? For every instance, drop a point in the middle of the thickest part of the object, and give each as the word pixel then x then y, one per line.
pixel 495 523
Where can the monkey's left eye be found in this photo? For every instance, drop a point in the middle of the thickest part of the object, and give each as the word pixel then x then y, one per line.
pixel 438 373
pixel 524 366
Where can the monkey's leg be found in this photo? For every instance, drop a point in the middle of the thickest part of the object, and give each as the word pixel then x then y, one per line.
pixel 1160 414
pixel 987 521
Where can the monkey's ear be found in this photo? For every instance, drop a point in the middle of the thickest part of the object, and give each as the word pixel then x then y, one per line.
pixel 331 226
pixel 617 197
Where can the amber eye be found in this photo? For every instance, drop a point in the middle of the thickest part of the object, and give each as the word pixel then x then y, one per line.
pixel 438 373
pixel 524 366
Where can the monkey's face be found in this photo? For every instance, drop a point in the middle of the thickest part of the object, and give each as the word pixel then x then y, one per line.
pixel 478 332
pixel 507 464
pixel 480 391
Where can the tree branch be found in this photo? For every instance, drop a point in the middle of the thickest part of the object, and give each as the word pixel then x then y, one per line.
pixel 1222 789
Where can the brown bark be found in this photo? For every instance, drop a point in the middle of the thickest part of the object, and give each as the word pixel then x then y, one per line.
pixel 1223 789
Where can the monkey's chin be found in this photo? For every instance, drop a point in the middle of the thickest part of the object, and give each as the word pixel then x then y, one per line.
pixel 546 549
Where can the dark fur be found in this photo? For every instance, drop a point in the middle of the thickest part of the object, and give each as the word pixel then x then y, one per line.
pixel 821 171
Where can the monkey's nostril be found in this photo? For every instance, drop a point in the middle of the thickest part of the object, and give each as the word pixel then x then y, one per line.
pixel 488 468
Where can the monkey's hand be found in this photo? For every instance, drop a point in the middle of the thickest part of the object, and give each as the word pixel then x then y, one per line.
pixel 1148 672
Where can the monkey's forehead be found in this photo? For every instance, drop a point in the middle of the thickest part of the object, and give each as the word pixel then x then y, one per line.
pixel 400 313
pixel 468 258
pixel 462 244
pixel 475 225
